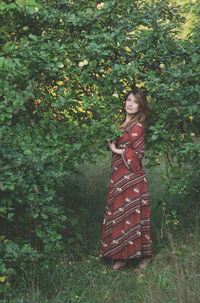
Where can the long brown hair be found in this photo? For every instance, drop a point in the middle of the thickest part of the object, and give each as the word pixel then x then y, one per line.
pixel 141 115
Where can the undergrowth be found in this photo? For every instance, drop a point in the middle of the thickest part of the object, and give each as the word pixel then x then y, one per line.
pixel 80 276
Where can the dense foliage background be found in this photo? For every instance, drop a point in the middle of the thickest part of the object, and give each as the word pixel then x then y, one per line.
pixel 65 67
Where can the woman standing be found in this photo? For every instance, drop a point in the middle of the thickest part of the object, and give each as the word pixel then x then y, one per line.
pixel 126 227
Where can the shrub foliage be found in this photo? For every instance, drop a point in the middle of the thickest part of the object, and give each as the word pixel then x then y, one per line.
pixel 65 67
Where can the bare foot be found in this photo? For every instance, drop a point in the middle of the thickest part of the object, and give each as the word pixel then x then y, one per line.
pixel 119 264
pixel 143 264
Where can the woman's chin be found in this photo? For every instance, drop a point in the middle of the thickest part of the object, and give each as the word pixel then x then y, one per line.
pixel 129 112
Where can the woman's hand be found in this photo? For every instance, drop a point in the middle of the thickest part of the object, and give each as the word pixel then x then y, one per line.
pixel 111 144
pixel 113 148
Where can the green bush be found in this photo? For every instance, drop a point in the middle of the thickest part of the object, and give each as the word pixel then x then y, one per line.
pixel 65 68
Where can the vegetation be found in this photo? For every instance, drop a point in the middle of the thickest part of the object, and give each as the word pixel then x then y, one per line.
pixel 172 277
pixel 65 67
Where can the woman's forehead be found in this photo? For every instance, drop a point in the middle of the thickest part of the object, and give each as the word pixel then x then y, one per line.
pixel 132 97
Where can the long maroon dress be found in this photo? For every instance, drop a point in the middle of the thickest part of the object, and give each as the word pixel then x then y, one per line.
pixel 126 226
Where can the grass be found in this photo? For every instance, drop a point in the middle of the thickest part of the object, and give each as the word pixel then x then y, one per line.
pixel 173 276
pixel 90 280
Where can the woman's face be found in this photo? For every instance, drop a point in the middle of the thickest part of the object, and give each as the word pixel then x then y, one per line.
pixel 131 105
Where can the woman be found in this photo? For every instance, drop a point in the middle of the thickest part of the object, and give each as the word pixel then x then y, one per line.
pixel 126 227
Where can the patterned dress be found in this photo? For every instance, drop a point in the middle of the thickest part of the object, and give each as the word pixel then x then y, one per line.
pixel 126 226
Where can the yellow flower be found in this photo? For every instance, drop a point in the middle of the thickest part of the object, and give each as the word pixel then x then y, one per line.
pixel 60 82
pixel 37 101
pixel 100 5
pixel 5 241
pixel 115 95
pixel 82 63
pixel 165 177
pixel 61 20
pixel 162 65
pixel 85 62
pixel 164 203
pixel 36 189
pixel 157 160
pixel 192 134
pixel 190 118
pixel 17 46
pixel 176 222
pixel 183 136
pixel 36 9
pixel 12 34
pixel 127 49
pixel 104 272
pixel 2 279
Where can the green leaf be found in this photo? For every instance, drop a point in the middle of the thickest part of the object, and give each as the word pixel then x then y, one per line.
pixel 10 216
pixel 2 59
pixel 3 210
pixel 33 37
pixel 74 222
pixel 195 58
pixel 44 216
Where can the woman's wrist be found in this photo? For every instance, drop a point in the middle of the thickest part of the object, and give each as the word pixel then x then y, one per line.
pixel 118 151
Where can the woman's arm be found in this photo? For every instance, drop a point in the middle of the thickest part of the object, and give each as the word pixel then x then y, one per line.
pixel 132 155
pixel 113 148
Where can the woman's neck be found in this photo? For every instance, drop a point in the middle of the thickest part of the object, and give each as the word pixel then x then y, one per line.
pixel 128 118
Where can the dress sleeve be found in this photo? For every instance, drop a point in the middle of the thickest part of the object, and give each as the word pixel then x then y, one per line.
pixel 133 153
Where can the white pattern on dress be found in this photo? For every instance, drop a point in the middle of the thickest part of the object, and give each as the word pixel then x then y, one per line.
pixel 134 134
pixel 114 241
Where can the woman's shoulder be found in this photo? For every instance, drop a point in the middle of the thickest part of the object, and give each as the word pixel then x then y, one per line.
pixel 135 125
